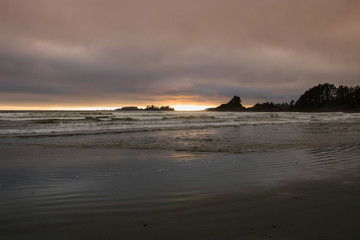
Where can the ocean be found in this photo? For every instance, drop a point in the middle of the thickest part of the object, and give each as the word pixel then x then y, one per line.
pixel 179 175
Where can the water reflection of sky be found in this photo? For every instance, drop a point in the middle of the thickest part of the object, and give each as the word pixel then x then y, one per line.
pixel 38 181
pixel 147 171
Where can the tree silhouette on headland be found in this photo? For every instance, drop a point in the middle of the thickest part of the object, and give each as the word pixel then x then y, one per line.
pixel 322 98
pixel 148 108
pixel 327 97
pixel 157 108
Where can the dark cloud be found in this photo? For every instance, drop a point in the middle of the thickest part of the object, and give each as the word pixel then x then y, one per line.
pixel 116 52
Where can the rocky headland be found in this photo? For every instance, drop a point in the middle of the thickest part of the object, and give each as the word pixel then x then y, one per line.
pixel 322 98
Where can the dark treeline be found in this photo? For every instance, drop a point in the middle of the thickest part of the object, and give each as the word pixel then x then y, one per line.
pixel 272 107
pixel 322 98
pixel 148 108
pixel 157 108
pixel 327 97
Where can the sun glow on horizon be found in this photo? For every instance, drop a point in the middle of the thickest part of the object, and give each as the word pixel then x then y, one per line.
pixel 97 108
pixel 56 108
pixel 190 107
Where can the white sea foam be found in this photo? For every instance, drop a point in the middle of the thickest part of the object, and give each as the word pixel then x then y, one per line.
pixel 86 122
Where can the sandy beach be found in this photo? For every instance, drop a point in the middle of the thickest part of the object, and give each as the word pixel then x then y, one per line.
pixel 180 176
pixel 77 193
pixel 179 120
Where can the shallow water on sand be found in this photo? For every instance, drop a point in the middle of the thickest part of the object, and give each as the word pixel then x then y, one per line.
pixel 275 179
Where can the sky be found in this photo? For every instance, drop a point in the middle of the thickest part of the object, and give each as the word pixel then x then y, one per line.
pixel 57 54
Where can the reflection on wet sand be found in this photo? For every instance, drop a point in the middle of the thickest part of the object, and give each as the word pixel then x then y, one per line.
pixel 105 193
pixel 282 181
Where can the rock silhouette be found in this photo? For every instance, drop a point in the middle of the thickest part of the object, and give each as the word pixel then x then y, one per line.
pixel 322 98
pixel 233 105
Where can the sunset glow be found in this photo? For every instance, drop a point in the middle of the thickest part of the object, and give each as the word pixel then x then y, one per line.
pixel 97 108
pixel 201 119
pixel 190 107
pixel 58 56
pixel 54 108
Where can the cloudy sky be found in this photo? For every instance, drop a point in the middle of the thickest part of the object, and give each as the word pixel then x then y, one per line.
pixel 112 53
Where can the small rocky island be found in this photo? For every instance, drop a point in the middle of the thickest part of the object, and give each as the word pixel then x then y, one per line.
pixel 128 109
pixel 148 108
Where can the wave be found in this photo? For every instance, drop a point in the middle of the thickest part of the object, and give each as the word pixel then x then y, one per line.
pixel 54 123
pixel 186 117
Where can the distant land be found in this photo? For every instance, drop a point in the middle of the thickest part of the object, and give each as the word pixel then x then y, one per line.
pixel 148 108
pixel 322 98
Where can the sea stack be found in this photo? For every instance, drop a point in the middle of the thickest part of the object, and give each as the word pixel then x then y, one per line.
pixel 233 105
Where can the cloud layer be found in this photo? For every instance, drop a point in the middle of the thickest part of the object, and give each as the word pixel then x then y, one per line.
pixel 98 52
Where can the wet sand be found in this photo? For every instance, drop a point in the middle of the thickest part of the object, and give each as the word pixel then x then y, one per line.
pixel 308 210
pixel 99 193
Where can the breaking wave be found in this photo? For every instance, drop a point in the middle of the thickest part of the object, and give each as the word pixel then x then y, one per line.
pixel 27 123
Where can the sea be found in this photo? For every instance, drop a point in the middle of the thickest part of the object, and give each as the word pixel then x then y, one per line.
pixel 179 175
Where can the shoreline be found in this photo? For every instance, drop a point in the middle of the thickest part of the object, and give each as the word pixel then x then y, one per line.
pixel 296 181
pixel 327 209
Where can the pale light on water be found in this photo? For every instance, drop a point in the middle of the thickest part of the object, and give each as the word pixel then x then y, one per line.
pixel 70 173
pixel 190 107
